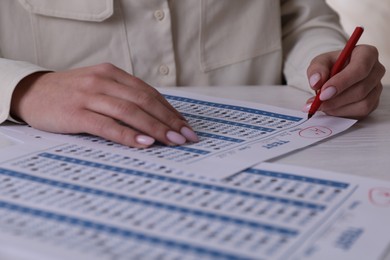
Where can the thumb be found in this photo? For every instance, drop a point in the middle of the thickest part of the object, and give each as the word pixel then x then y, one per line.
pixel 319 69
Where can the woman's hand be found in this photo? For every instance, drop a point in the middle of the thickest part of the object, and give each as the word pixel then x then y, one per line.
pixel 101 100
pixel 355 91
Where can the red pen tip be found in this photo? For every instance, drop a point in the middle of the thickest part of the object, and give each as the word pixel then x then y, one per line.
pixel 309 115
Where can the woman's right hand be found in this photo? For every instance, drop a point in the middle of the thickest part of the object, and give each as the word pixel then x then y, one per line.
pixel 101 100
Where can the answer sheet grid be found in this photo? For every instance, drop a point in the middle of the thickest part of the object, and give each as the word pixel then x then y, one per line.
pixel 235 215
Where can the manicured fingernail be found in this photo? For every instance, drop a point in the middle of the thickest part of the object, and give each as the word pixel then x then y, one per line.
pixel 314 79
pixel 144 140
pixel 328 93
pixel 176 138
pixel 306 107
pixel 189 134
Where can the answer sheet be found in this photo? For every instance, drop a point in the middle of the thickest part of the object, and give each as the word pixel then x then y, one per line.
pixel 78 201
pixel 234 135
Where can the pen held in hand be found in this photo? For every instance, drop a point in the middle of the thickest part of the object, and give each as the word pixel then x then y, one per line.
pixel 338 66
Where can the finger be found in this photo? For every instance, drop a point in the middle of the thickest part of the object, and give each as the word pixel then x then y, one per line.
pixel 151 103
pixel 173 109
pixel 361 64
pixel 319 69
pixel 129 80
pixel 108 128
pixel 356 92
pixel 159 126
pixel 99 81
pixel 358 109
pixel 153 106
pixel 141 85
pixel 306 107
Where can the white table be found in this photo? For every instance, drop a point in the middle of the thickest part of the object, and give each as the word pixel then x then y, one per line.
pixel 362 150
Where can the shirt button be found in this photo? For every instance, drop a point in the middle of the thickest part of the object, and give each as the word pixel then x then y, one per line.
pixel 159 15
pixel 164 70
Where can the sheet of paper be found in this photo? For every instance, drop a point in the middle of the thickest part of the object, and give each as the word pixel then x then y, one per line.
pixel 234 135
pixel 77 201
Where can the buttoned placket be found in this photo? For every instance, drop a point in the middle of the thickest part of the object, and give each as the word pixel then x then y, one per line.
pixel 149 32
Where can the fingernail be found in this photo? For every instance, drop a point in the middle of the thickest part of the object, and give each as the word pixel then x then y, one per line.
pixel 306 107
pixel 144 140
pixel 310 100
pixel 314 79
pixel 176 138
pixel 327 93
pixel 189 134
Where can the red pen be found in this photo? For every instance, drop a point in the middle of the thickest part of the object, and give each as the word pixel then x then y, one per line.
pixel 338 66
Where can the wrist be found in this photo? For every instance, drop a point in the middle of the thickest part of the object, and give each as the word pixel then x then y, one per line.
pixel 20 93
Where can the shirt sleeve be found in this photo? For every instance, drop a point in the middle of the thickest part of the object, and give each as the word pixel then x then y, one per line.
pixel 309 28
pixel 11 73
